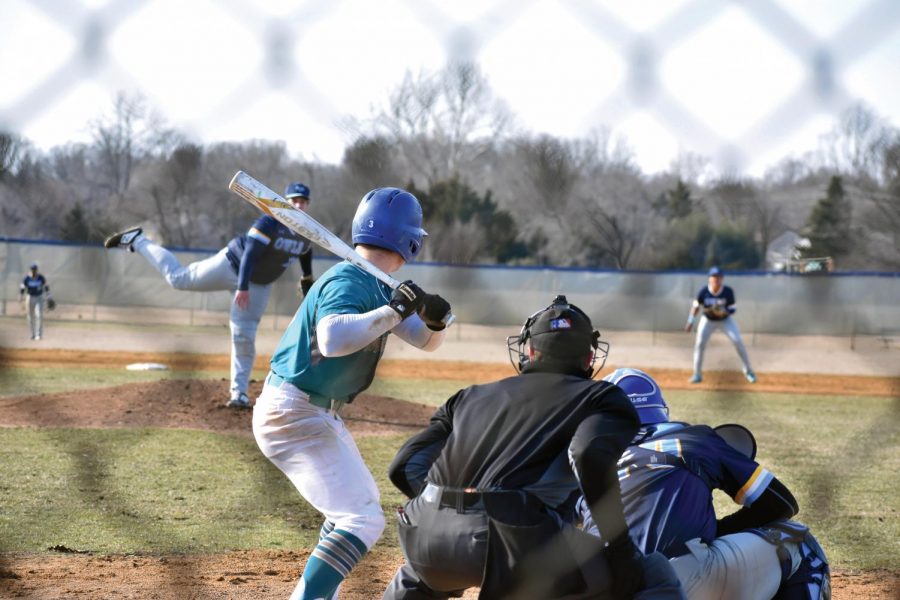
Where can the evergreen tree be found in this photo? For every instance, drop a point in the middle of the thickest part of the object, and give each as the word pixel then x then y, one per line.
pixel 828 227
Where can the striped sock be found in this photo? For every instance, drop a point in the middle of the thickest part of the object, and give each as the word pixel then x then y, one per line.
pixel 330 563
pixel 327 527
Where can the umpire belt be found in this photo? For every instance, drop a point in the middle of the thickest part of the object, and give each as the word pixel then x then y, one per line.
pixel 463 499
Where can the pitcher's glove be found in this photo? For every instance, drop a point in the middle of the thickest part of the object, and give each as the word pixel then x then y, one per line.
pixel 626 565
pixel 434 312
pixel 306 282
pixel 407 299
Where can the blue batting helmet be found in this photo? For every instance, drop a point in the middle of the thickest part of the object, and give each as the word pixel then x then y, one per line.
pixel 390 218
pixel 296 190
pixel 644 394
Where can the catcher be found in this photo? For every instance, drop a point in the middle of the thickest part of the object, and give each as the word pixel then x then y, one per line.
pixel 667 476
pixel 493 480
pixel 717 303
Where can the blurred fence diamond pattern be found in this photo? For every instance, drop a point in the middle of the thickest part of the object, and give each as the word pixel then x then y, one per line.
pixel 600 63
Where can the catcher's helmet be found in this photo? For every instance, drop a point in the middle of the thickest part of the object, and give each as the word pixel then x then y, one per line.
pixel 564 336
pixel 296 190
pixel 390 218
pixel 644 394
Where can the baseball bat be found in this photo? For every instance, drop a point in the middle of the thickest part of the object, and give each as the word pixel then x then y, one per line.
pixel 300 222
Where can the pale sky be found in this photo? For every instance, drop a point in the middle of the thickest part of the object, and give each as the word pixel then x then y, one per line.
pixel 746 83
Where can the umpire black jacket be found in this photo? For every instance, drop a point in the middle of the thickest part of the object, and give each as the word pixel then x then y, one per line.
pixel 551 434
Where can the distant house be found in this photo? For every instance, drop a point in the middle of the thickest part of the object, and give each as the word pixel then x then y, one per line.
pixel 784 254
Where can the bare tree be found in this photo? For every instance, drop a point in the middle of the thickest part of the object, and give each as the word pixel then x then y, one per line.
pixel 856 145
pixel 441 123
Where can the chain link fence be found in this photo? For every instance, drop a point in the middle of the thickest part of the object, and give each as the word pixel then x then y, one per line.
pixel 651 47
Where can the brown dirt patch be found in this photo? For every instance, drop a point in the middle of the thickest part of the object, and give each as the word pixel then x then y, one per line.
pixel 253 575
pixel 676 379
pixel 188 404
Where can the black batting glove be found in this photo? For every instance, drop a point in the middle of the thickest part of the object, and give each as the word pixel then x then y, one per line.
pixel 434 312
pixel 407 299
pixel 627 567
pixel 306 283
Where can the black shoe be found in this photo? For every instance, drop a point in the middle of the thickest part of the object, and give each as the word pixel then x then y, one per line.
pixel 123 239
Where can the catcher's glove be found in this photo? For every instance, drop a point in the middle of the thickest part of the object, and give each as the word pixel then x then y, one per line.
pixel 51 303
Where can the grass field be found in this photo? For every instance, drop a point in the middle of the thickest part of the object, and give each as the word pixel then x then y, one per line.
pixel 175 491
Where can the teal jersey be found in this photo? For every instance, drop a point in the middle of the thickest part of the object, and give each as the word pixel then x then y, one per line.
pixel 343 289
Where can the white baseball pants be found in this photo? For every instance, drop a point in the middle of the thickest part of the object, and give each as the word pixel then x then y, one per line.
pixel 706 329
pixel 317 453
pixel 209 275
pixel 36 315
pixel 741 566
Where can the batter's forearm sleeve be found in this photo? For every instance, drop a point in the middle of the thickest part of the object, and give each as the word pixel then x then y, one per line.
pixel 252 251
pixel 776 502
pixel 416 333
pixel 340 335
pixel 306 263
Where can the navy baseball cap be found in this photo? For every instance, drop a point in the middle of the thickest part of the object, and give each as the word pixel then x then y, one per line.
pixel 34 265
pixel 715 272
pixel 296 190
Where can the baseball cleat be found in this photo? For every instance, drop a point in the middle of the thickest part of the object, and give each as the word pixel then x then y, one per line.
pixel 123 239
pixel 751 376
pixel 239 401
pixel 695 378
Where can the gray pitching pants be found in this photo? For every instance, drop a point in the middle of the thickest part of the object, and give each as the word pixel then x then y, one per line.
pixel 209 275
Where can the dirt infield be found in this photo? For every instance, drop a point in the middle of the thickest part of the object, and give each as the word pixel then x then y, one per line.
pixel 253 575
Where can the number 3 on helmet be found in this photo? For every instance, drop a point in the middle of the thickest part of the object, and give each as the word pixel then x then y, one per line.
pixel 390 218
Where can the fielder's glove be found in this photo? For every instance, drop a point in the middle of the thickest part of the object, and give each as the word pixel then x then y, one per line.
pixel 716 312
pixel 306 282
pixel 626 565
pixel 434 311
pixel 51 303
pixel 407 299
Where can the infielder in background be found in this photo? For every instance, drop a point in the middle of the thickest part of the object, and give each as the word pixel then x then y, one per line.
pixel 326 357
pixel 718 306
pixel 32 290
pixel 667 476
pixel 248 265
pixel 494 478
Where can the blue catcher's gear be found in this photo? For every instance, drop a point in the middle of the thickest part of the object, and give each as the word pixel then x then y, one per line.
pixel 644 394
pixel 390 218
pixel 296 190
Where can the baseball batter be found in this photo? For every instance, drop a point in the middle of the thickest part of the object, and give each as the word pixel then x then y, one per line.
pixel 32 290
pixel 717 303
pixel 493 479
pixel 326 357
pixel 667 476
pixel 248 266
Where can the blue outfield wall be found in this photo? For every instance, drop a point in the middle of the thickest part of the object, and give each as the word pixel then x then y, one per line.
pixel 835 304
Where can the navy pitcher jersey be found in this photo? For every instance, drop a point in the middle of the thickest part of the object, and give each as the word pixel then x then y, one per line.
pixel 724 299
pixel 35 286
pixel 667 484
pixel 281 247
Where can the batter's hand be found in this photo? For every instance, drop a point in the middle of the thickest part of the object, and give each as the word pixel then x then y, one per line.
pixel 434 312
pixel 242 299
pixel 407 299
